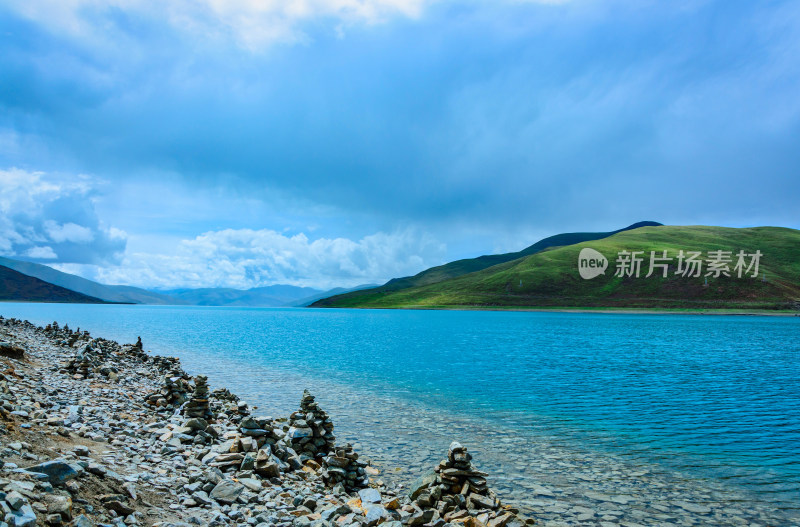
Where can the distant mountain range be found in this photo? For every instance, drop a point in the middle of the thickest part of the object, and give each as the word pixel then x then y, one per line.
pixel 15 286
pixel 109 293
pixel 18 283
pixel 470 265
pixel 552 278
pixel 269 296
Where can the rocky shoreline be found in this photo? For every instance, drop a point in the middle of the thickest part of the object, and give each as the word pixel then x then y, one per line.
pixel 97 433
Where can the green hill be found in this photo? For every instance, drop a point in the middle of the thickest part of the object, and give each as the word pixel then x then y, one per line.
pixel 457 268
pixel 551 278
pixel 15 286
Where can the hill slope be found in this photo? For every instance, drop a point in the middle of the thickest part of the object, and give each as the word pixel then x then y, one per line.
pixel 15 286
pixel 457 268
pixel 109 293
pixel 551 278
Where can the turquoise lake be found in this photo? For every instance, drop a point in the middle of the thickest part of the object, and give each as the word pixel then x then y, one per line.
pixel 550 403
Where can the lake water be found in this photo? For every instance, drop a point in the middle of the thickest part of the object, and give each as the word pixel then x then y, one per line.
pixel 649 419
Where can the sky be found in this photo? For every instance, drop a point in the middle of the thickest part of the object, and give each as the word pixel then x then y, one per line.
pixel 327 143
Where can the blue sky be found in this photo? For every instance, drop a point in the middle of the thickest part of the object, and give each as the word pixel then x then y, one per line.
pixel 338 142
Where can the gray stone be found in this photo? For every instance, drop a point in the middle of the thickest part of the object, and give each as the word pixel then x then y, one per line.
pixel 421 517
pixel 369 495
pixel 299 433
pixel 375 513
pixel 61 505
pixel 15 500
pixel 24 517
pixel 201 497
pixel 81 450
pixel 226 491
pixel 58 471
pixel 248 463
pixel 251 483
pixel 83 521
pixel 420 484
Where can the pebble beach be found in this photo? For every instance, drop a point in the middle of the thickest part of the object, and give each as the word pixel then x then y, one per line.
pixel 150 444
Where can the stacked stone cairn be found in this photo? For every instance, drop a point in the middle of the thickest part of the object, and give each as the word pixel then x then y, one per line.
pixel 174 391
pixel 168 364
pixel 310 430
pixel 198 406
pixel 223 401
pixel 82 363
pixel 342 466
pixel 455 491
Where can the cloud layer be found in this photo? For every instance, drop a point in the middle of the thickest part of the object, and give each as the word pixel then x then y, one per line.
pixel 50 219
pixel 486 125
pixel 247 258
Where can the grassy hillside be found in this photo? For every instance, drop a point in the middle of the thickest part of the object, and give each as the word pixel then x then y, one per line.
pixel 457 268
pixel 15 286
pixel 551 278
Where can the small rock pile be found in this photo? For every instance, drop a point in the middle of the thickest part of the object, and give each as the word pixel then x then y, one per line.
pixel 223 401
pixel 83 362
pixel 173 393
pixel 198 405
pixel 456 490
pixel 135 461
pixel 342 466
pixel 311 430
pixel 167 365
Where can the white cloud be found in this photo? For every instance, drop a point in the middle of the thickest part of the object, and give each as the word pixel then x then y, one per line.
pixel 41 253
pixel 68 232
pixel 253 23
pixel 244 258
pixel 46 217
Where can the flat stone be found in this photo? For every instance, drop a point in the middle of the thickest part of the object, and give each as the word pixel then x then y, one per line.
pixel 83 521
pixel 24 517
pixel 251 483
pixel 119 507
pixel 57 471
pixel 299 433
pixel 420 484
pixel 375 513
pixel 369 495
pixel 15 500
pixel 196 423
pixel 61 505
pixel 226 491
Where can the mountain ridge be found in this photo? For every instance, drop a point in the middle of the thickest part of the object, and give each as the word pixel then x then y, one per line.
pixel 110 293
pixel 551 278
pixel 464 266
pixel 16 286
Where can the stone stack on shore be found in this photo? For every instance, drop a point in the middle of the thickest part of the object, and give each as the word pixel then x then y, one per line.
pixel 173 393
pixel 198 406
pixel 118 453
pixel 223 401
pixel 342 466
pixel 82 363
pixel 310 429
pixel 455 490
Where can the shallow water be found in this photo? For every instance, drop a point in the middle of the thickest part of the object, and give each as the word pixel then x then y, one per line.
pixel 625 415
